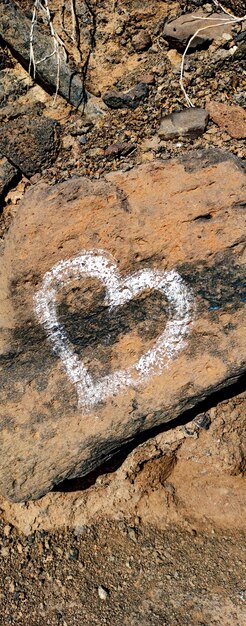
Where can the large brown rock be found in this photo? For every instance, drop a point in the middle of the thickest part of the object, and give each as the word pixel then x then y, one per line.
pixel 122 306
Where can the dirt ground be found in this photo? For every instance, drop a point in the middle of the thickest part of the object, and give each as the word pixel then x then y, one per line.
pixel 117 574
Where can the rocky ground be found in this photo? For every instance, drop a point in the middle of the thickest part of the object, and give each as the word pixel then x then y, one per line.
pixel 115 574
pixel 157 536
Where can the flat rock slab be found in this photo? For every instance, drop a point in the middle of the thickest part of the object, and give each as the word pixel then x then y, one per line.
pixel 180 30
pixel 187 123
pixel 121 307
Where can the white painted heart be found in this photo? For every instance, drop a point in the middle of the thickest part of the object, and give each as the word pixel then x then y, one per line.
pixel 97 264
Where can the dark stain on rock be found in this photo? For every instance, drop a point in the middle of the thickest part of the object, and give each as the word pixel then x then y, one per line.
pixel 194 160
pixel 29 357
pixel 6 423
pixel 220 284
pixel 102 326
pixel 123 198
pixel 94 329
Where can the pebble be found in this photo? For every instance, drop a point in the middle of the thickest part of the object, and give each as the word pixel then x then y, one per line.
pixel 142 41
pixel 132 534
pixel 130 99
pixel 119 148
pixel 7 530
pixel 102 592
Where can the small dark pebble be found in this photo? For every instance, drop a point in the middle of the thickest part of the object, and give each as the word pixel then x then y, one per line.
pixel 130 99
pixel 118 149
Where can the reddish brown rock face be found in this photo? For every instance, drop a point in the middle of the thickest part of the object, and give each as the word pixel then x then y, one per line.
pixel 122 306
pixel 230 118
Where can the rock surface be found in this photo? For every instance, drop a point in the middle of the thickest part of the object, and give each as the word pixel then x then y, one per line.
pixel 15 29
pixel 148 482
pixel 152 344
pixel 8 174
pixel 188 123
pixel 231 118
pixel 30 142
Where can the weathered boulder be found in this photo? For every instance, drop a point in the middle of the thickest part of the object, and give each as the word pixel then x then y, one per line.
pixel 121 307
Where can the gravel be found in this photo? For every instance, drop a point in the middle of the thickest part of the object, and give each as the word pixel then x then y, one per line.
pixel 182 577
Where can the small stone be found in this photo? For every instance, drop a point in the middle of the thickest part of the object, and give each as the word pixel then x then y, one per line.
pixel 4 551
pixel 73 554
pixel 102 592
pixel 119 148
pixel 130 99
pixel 187 123
pixel 142 41
pixel 19 548
pixel 174 57
pixel 132 534
pixel 7 530
pixel 147 78
pixel 227 37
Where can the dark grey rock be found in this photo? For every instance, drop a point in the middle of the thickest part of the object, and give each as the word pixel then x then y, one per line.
pixel 8 175
pixel 30 142
pixel 11 88
pixel 130 99
pixel 187 123
pixel 15 31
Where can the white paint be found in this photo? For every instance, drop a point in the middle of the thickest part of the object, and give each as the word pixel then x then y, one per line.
pixel 97 264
